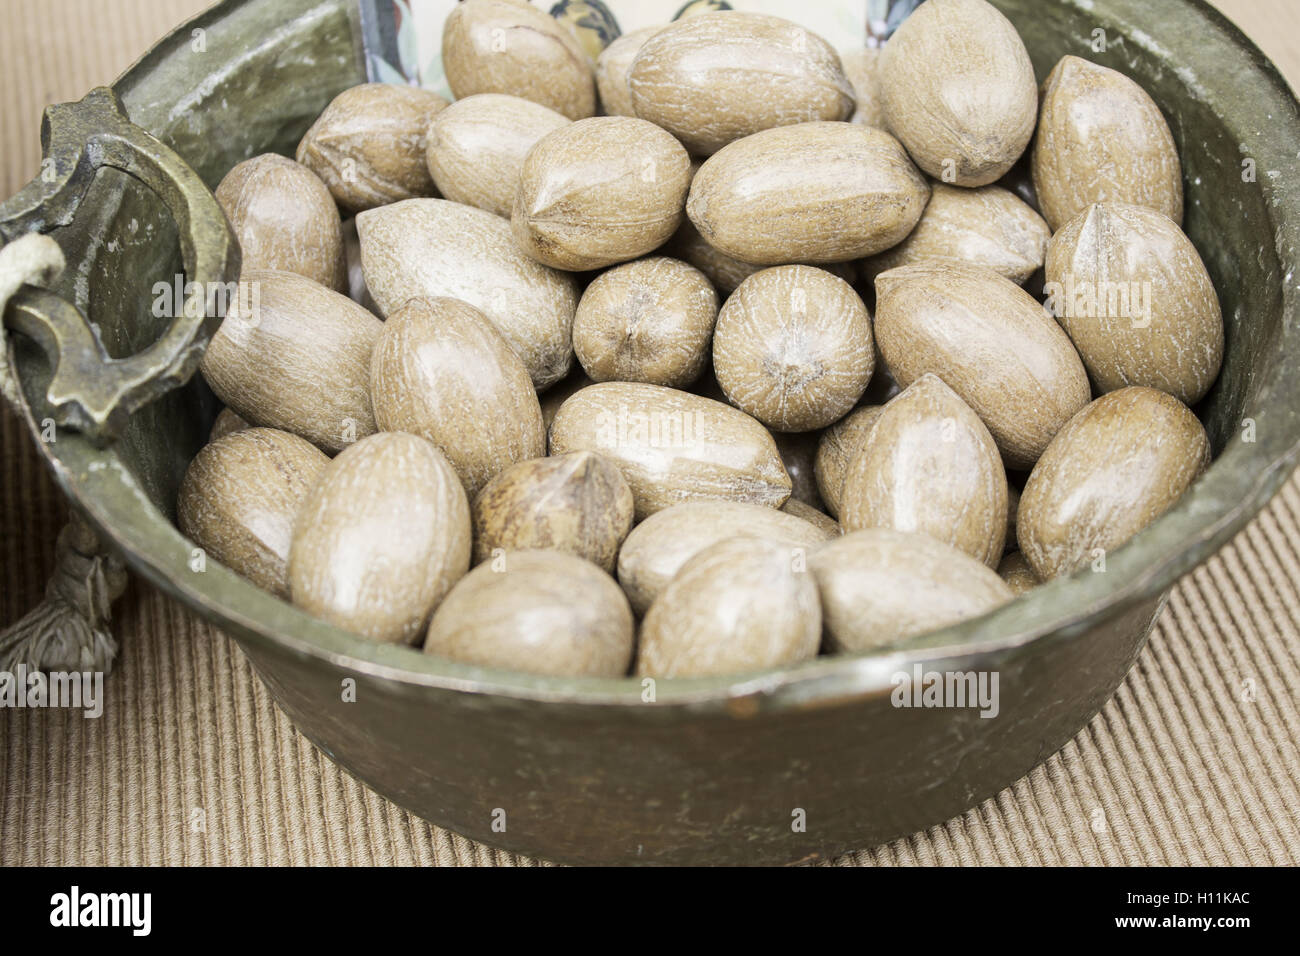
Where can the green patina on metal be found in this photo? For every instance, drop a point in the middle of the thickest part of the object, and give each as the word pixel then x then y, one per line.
pixel 91 392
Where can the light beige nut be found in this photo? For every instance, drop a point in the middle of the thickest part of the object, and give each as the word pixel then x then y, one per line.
pixel 476 147
pixel 381 538
pixel 646 321
pixel 433 248
pixel 988 226
pixel 600 191
pixel 542 612
pixel 512 47
pixel 742 604
pixel 930 466
pixel 719 77
pixel 659 546
pixel 294 355
pixel 793 348
pixel 1101 138
pixel 612 69
pixel 991 343
pixel 368 145
pixel 576 503
pixel 959 91
pixel 1117 466
pixel 240 496
pixel 817 192
pixel 226 423
pixel 836 450
pixel 862 67
pixel 673 446
pixel 818 519
pixel 881 586
pixel 356 280
pixel 1018 574
pixel 285 220
pixel 442 371
pixel 1134 296
pixel 558 394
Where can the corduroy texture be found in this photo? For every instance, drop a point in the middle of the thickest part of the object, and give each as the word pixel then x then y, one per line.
pixel 1194 761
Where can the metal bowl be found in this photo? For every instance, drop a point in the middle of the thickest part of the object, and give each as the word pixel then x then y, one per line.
pixel 778 766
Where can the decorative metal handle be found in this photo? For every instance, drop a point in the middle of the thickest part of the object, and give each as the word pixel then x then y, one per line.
pixel 91 392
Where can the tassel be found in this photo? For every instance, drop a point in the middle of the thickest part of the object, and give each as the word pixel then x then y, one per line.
pixel 68 631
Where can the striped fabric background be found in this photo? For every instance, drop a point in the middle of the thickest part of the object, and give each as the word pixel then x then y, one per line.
pixel 1194 761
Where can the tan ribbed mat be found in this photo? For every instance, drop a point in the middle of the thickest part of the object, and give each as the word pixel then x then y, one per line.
pixel 1194 761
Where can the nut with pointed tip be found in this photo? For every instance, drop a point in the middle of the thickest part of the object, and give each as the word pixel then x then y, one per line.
pixel 959 91
pixel 442 371
pixel 576 503
pixel 991 343
pixel 815 193
pixel 381 538
pixel 880 587
pixel 368 145
pixel 285 220
pixel 541 612
pixel 659 546
pixel 434 248
pixel 673 446
pixel 295 355
pixel 930 466
pixel 1101 138
pixel 1134 296
pixel 510 46
pixel 742 604
pixel 240 496
pixel 988 226
pixel 600 191
pixel 718 77
pixel 476 148
pixel 1117 466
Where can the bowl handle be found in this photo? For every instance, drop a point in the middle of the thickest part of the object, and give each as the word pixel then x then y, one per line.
pixel 91 392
